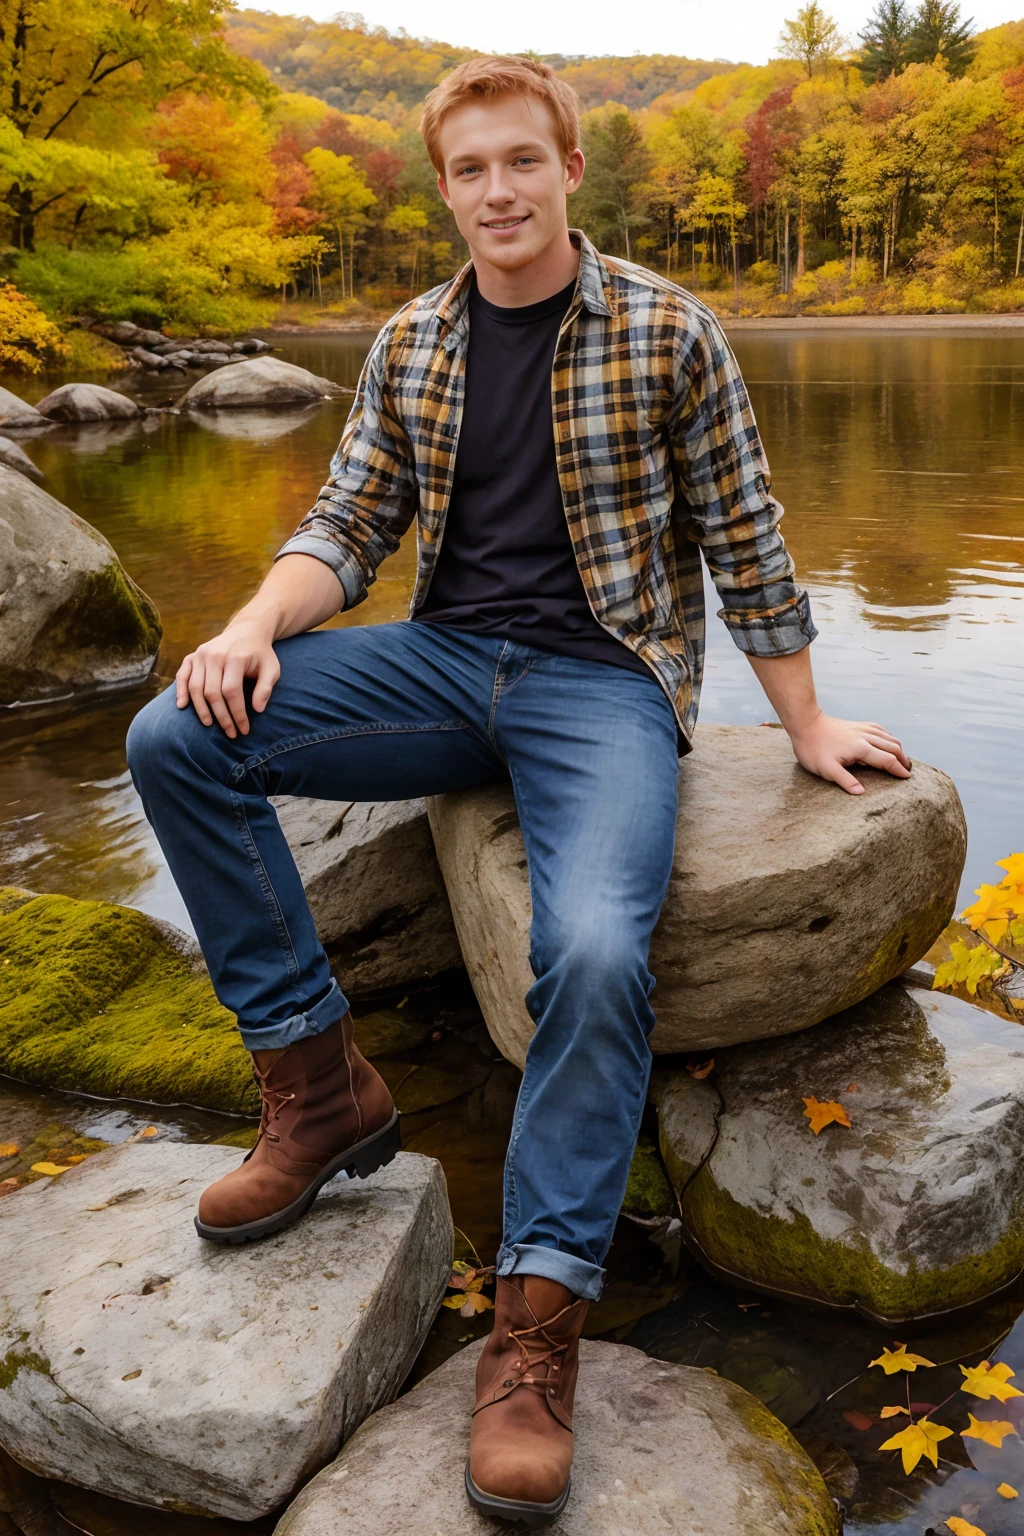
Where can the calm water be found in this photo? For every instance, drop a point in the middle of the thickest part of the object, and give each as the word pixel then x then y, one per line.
pixel 900 460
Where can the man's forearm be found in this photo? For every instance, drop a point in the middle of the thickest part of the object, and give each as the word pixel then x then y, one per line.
pixel 789 685
pixel 298 593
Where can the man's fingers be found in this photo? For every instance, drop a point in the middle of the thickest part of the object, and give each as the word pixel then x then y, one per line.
pixel 886 743
pixel 266 677
pixel 213 696
pixel 231 688
pixel 877 757
pixel 181 678
pixel 845 780
pixel 196 690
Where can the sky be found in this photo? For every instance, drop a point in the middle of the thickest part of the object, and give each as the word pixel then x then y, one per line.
pixel 739 30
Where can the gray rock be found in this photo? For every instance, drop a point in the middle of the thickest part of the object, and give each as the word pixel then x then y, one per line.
pixel 15 412
pixel 374 889
pixel 258 381
pixel 149 359
pixel 916 1210
pixel 153 1367
pixel 146 338
pixel 789 899
pixel 15 458
pixel 124 332
pixel 661 1450
pixel 71 618
pixel 252 345
pixel 87 402
pixel 210 346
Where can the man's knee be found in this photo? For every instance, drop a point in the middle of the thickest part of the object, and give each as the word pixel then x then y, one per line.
pixel 156 737
pixel 594 959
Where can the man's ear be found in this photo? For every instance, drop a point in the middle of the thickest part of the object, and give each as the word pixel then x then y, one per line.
pixel 574 169
pixel 441 187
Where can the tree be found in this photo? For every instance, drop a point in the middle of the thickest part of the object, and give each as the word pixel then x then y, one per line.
pixel 813 39
pixel 938 33
pixel 343 197
pixel 615 183
pixel 885 41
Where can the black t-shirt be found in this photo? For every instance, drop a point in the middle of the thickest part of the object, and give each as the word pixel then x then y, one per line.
pixel 506 565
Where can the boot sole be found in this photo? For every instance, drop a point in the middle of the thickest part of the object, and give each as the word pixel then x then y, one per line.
pixel 358 1162
pixel 515 1511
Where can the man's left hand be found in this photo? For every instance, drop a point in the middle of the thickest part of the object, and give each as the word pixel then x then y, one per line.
pixel 828 747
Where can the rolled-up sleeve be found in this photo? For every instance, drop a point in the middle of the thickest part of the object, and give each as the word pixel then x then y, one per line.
pixel 722 472
pixel 370 498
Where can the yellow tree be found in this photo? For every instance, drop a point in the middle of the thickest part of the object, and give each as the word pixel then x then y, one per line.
pixel 343 198
pixel 813 39
pixel 409 222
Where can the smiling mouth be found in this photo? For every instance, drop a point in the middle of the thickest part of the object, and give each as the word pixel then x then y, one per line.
pixel 512 223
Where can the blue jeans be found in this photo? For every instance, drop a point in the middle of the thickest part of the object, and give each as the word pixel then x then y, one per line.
pixel 395 711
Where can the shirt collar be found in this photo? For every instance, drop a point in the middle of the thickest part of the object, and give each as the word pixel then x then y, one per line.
pixel 592 287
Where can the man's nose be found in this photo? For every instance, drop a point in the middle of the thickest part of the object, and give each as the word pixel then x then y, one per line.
pixel 499 188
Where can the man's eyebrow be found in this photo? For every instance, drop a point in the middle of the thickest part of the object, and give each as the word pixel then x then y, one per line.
pixel 533 145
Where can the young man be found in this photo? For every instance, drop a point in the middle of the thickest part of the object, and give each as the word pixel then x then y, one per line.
pixel 568 431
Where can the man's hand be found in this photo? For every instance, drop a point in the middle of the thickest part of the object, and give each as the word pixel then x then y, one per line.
pixel 827 747
pixel 211 677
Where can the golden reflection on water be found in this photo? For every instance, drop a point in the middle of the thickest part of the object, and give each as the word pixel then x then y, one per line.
pixel 898 458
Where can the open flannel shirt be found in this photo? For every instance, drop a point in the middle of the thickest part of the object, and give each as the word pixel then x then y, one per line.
pixel 658 457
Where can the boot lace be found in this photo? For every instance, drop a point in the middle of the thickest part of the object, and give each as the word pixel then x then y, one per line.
pixel 272 1101
pixel 533 1356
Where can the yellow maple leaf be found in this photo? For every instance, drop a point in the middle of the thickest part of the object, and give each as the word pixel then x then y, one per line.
pixel 917 1440
pixel 1014 866
pixel 827 1113
pixel 963 1527
pixel 899 1360
pixel 889 1413
pixel 52 1169
pixel 9 1149
pixel 1006 1492
pixel 995 904
pixel 987 1381
pixel 992 1431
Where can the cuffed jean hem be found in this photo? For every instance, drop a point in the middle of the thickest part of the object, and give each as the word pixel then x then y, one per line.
pixel 331 1007
pixel 581 1278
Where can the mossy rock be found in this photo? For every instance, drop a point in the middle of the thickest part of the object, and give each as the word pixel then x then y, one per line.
pixel 97 998
pixel 390 1032
pixel 649 1194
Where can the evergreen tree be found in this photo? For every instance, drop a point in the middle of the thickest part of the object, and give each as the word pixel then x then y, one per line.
pixel 885 41
pixel 938 31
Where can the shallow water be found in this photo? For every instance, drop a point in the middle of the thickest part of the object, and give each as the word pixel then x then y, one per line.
pixel 899 460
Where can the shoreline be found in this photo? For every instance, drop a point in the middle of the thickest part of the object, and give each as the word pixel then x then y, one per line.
pixel 907 324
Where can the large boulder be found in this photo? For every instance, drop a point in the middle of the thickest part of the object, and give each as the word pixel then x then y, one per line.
pixel 105 1000
pixel 914 1210
pixel 789 899
pixel 258 381
pixel 87 402
pixel 139 1361
pixel 374 888
pixel 16 458
pixel 71 619
pixel 659 1449
pixel 15 412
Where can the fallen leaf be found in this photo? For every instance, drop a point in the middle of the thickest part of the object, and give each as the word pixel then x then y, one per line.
pixel 9 1149
pixel 79 1157
pixel 963 1527
pixel 132 1376
pixel 1006 1492
pixel 987 1381
pixel 51 1169
pixel 475 1303
pixel 857 1419
pixel 8 1186
pixel 888 1413
pixel 899 1360
pixel 150 1130
pixel 827 1113
pixel 700 1069
pixel 917 1440
pixel 992 1431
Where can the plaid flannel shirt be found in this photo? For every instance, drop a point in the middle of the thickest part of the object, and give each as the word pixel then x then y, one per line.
pixel 658 458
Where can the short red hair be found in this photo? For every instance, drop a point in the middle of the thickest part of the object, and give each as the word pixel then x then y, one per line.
pixel 501 75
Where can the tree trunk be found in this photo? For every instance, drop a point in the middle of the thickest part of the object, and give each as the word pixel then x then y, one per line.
pixel 800 240
pixel 995 225
pixel 625 231
pixel 735 268
pixel 1020 244
pixel 785 255
pixel 853 251
pixel 341 258
pixel 352 265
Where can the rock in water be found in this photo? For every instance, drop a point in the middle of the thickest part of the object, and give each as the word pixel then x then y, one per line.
pixel 659 1449
pixel 87 402
pixel 258 381
pixel 15 458
pixel 915 1210
pixel 374 888
pixel 72 618
pixel 789 899
pixel 139 1361
pixel 15 412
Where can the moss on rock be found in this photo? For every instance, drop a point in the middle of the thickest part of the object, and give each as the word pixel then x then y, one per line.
pixel 96 998
pixel 648 1191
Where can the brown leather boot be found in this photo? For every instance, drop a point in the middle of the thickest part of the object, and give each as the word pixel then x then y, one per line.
pixel 520 1446
pixel 324 1109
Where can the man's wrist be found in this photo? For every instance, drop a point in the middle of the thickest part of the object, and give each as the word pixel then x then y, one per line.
pixel 266 620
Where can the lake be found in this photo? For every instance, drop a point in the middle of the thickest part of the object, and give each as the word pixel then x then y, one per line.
pixel 900 460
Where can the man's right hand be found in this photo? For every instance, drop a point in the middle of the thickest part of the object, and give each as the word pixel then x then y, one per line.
pixel 211 677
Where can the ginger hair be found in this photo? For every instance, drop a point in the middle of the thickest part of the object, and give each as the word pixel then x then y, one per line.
pixel 501 75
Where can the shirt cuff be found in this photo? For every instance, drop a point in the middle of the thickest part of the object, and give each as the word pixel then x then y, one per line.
pixel 344 564
pixel 779 635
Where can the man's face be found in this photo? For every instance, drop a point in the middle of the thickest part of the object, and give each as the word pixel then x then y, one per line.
pixel 506 178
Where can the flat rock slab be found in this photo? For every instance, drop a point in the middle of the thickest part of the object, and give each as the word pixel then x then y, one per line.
pixel 375 889
pixel 141 1362
pixel 15 412
pixel 661 1450
pixel 72 619
pixel 258 381
pixel 915 1210
pixel 789 899
pixel 87 402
